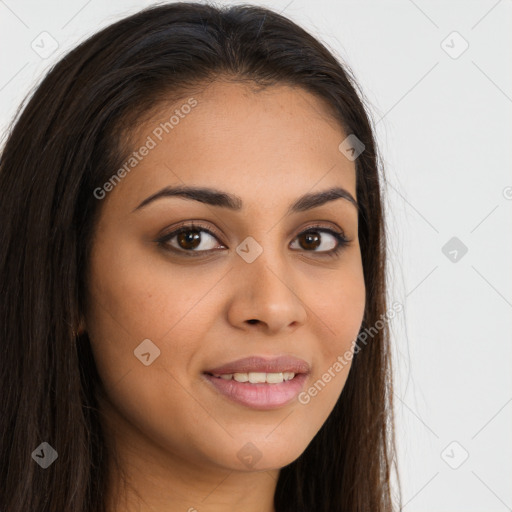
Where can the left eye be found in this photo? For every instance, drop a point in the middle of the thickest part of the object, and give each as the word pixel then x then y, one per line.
pixel 312 239
pixel 190 240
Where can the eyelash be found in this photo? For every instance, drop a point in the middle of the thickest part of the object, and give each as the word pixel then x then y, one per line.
pixel 162 242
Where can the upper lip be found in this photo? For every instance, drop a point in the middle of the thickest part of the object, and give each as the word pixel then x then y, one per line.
pixel 263 365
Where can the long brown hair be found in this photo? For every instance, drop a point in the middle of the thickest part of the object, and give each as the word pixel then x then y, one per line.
pixel 67 141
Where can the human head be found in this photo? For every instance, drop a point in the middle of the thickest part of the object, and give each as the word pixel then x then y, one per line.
pixel 77 130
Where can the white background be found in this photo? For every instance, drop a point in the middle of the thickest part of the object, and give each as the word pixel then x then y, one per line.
pixel 444 129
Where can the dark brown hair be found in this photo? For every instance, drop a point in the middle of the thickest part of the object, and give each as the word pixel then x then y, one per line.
pixel 67 141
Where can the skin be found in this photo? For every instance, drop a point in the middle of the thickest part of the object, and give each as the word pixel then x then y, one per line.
pixel 177 438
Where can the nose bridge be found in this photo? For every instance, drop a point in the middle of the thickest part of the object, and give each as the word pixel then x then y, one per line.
pixel 263 256
pixel 266 277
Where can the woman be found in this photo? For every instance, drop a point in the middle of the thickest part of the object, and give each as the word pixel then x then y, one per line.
pixel 192 243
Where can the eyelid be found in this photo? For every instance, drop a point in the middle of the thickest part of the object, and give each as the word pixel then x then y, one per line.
pixel 333 228
pixel 189 225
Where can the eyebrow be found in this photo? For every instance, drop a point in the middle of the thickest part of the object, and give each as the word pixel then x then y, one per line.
pixel 215 197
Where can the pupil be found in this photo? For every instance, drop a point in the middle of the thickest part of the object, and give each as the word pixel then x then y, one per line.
pixel 311 238
pixel 184 239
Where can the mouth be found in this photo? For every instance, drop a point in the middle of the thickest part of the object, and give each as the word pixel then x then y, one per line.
pixel 256 377
pixel 260 383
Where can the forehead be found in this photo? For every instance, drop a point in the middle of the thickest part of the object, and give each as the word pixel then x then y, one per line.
pixel 276 142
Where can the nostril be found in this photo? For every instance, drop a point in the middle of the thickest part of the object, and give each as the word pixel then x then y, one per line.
pixel 252 321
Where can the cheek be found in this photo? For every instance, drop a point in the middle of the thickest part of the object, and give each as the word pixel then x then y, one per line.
pixel 339 318
pixel 130 300
pixel 133 291
pixel 134 296
pixel 338 310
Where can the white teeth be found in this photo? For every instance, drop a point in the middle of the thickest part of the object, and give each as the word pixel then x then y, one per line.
pixel 258 377
pixel 274 378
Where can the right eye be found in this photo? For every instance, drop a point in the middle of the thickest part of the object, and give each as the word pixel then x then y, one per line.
pixel 188 240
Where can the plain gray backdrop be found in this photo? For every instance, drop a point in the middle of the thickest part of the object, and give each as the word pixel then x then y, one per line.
pixel 438 80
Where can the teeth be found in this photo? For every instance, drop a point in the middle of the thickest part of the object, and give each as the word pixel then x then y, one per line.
pixel 258 377
pixel 273 378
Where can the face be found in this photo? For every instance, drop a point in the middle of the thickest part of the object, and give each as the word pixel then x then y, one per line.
pixel 255 278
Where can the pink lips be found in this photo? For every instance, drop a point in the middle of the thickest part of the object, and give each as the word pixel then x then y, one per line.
pixel 260 364
pixel 262 396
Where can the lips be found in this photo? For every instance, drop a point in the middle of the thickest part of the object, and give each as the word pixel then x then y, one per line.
pixel 259 364
pixel 262 397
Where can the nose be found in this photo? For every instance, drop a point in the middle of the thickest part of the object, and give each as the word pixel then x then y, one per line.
pixel 266 295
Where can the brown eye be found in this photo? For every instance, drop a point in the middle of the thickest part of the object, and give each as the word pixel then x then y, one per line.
pixel 190 239
pixel 313 239
pixel 310 241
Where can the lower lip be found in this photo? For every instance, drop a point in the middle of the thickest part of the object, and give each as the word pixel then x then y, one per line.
pixel 261 396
